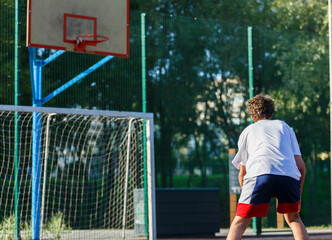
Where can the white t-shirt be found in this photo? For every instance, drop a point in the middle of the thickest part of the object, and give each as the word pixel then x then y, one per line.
pixel 268 147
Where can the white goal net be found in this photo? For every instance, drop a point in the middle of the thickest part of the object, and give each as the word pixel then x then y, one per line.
pixel 81 174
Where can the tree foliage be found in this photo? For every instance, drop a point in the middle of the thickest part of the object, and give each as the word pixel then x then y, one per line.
pixel 197 67
pixel 291 64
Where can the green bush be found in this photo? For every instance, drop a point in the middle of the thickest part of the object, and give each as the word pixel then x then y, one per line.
pixel 8 228
pixel 56 225
pixel 26 231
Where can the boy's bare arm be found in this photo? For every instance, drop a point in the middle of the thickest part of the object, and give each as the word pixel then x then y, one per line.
pixel 301 166
pixel 242 173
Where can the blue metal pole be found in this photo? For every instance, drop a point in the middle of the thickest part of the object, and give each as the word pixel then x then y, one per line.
pixel 36 148
pixel 76 79
pixel 36 167
pixel 36 67
pixel 53 57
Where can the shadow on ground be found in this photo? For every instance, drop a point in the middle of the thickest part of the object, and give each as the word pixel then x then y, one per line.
pixel 277 234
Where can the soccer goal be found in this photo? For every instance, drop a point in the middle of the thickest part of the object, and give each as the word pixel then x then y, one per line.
pixel 76 174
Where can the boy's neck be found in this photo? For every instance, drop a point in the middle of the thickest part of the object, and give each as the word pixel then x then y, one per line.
pixel 261 119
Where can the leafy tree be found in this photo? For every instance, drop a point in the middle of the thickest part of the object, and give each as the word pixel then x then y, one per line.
pixel 301 87
pixel 291 66
pixel 196 61
pixel 305 15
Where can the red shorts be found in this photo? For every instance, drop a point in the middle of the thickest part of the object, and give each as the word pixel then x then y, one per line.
pixel 258 191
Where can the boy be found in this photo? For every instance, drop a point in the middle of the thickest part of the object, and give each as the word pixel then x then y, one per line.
pixel 270 165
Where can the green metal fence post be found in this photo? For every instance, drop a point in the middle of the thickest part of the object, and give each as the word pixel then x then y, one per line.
pixel 256 222
pixel 17 94
pixel 143 62
pixel 143 50
pixel 250 64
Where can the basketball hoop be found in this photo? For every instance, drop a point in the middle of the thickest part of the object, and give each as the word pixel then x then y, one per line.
pixel 88 40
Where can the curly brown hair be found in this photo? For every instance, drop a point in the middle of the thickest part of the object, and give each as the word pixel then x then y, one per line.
pixel 260 107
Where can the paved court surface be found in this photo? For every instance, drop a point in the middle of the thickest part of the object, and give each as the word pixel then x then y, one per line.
pixel 267 234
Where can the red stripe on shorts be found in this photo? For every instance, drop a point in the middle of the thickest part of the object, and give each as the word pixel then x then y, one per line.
pixel 250 210
pixel 289 207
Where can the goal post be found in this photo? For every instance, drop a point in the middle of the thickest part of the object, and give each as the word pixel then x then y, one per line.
pixel 91 163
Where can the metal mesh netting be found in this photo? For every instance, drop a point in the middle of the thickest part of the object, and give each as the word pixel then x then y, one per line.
pixel 89 168
pixel 197 85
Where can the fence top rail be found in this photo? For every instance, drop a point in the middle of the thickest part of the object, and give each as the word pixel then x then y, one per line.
pixel 117 114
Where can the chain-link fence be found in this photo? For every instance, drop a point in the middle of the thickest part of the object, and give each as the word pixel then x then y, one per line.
pixel 197 85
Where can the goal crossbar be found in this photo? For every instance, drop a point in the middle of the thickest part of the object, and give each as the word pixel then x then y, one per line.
pixel 119 114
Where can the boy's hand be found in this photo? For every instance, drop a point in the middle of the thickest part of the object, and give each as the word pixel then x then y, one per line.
pixel 242 173
pixel 301 166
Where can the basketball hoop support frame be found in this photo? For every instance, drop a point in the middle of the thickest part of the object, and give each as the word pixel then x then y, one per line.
pixel 36 69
